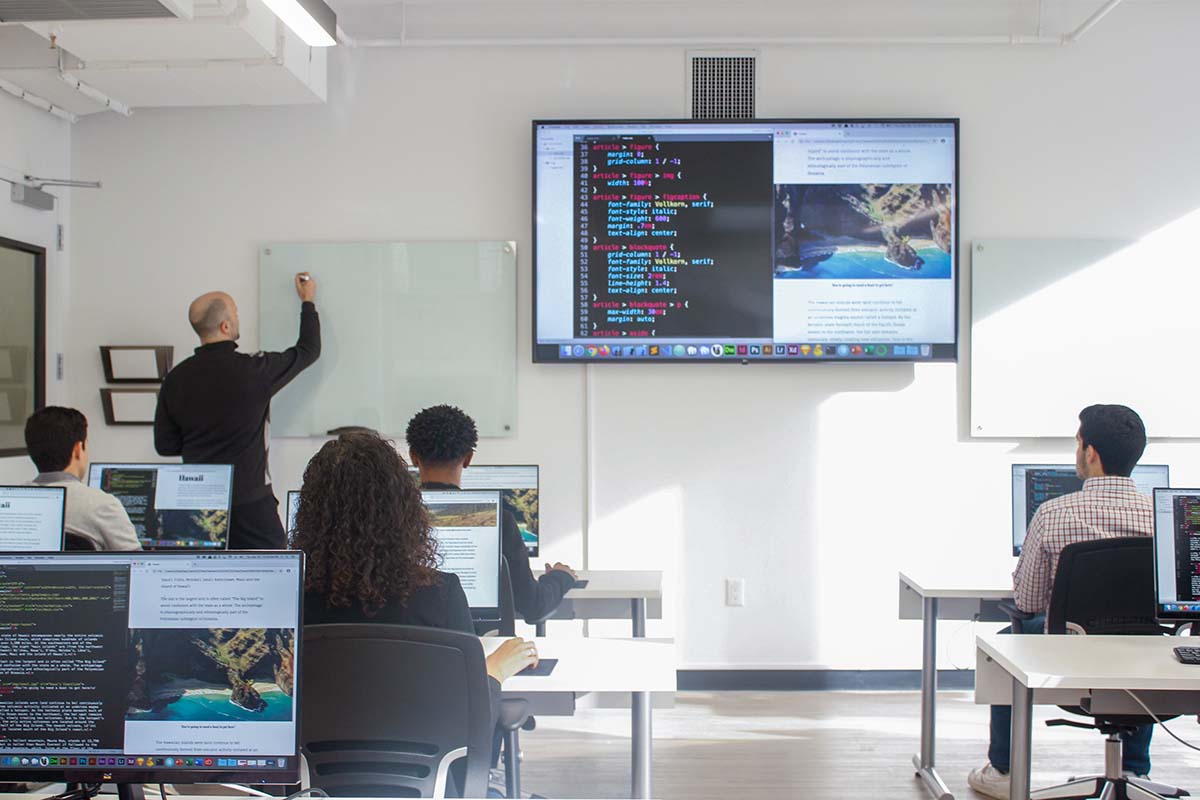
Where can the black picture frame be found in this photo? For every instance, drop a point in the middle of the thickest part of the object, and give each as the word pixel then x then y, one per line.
pixel 164 357
pixel 39 331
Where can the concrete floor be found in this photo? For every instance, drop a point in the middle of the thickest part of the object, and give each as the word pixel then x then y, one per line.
pixel 749 745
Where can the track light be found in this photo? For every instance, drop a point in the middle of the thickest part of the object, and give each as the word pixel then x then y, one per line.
pixel 311 20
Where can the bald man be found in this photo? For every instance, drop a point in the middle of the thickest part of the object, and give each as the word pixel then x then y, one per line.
pixel 215 408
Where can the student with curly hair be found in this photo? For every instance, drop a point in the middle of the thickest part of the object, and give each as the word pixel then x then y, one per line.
pixel 370 552
pixel 441 443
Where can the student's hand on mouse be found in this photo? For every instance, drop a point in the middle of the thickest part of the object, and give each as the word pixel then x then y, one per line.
pixel 306 287
pixel 560 567
pixel 510 658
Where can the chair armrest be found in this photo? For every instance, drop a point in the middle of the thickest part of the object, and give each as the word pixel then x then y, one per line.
pixel 514 712
pixel 1015 615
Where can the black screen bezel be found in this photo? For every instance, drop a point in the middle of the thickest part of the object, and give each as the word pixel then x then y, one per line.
pixel 259 775
pixel 945 352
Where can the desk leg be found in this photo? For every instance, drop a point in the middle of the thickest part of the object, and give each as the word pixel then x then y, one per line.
pixel 641 710
pixel 1020 764
pixel 641 745
pixel 925 761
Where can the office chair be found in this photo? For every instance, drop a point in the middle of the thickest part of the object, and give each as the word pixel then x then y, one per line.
pixel 1103 587
pixel 387 709
pixel 77 541
pixel 514 712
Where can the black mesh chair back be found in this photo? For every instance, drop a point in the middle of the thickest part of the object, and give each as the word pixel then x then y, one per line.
pixel 1105 586
pixel 385 709
pixel 76 541
pixel 507 625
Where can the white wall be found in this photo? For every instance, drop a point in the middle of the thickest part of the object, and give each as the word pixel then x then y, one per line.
pixel 813 483
pixel 35 143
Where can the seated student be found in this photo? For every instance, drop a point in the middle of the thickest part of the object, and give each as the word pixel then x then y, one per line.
pixel 370 552
pixel 56 438
pixel 1110 441
pixel 441 443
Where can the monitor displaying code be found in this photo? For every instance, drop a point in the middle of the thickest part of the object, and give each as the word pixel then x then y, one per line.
pixel 180 662
pixel 1034 484
pixel 780 240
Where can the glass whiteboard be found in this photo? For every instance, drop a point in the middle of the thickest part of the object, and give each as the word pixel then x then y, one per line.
pixel 1060 324
pixel 404 325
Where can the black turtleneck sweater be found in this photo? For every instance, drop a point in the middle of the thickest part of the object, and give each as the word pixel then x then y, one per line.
pixel 215 407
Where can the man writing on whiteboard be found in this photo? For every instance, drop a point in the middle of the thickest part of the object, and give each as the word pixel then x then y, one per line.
pixel 215 408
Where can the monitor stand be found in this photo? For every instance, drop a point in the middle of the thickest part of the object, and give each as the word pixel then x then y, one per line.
pixel 125 791
pixel 130 791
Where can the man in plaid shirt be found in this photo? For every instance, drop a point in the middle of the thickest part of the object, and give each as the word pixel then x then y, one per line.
pixel 1110 441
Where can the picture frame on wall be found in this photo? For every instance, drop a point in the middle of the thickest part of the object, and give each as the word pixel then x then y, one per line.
pixel 129 406
pixel 136 363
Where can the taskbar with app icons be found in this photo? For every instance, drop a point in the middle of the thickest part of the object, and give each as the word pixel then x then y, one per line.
pixel 144 762
pixel 743 352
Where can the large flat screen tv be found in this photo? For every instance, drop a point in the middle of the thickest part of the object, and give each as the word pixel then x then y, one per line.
pixel 783 241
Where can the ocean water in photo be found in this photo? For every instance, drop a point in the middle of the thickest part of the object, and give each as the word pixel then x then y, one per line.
pixel 859 264
pixel 215 707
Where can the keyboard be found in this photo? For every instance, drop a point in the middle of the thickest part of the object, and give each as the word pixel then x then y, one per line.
pixel 1188 655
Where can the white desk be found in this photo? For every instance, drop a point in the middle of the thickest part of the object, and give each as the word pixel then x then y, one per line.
pixel 604 665
pixel 613 594
pixel 1059 670
pixel 930 592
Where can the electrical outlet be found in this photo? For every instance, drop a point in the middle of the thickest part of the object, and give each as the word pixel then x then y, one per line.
pixel 735 592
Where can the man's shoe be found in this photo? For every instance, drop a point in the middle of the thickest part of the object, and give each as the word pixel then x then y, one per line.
pixel 989 782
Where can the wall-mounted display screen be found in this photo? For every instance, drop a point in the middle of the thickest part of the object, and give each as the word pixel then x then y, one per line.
pixel 767 240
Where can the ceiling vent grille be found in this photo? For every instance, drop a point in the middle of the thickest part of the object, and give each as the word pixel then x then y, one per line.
pixel 722 86
pixel 63 10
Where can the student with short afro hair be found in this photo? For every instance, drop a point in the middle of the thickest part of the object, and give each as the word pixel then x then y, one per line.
pixel 441 443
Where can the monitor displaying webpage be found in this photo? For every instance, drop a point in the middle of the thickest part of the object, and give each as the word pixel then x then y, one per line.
pixel 31 518
pixel 1177 550
pixel 467 527
pixel 518 487
pixel 172 506
pixel 793 240
pixel 127 661
pixel 1034 484
pixel 519 493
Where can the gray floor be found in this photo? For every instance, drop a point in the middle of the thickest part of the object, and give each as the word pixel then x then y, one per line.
pixel 808 745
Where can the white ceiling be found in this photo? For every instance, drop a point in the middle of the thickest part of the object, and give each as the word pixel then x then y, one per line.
pixel 419 22
pixel 231 52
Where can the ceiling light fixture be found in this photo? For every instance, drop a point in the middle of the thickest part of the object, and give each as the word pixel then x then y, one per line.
pixel 311 20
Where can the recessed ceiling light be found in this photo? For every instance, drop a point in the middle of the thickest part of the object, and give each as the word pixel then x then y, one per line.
pixel 311 20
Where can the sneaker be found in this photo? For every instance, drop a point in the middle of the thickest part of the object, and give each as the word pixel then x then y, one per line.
pixel 989 782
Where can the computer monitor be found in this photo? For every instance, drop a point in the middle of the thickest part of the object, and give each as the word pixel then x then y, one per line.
pixel 164 667
pixel 32 518
pixel 293 507
pixel 1034 484
pixel 518 485
pixel 1177 554
pixel 467 527
pixel 172 506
